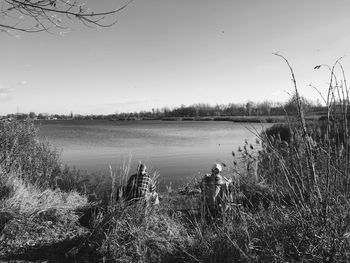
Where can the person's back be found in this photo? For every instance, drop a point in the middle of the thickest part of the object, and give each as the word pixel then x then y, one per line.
pixel 139 184
pixel 211 187
pixel 214 190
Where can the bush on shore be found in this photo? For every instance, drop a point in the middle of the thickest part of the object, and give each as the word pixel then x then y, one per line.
pixel 38 162
pixel 22 152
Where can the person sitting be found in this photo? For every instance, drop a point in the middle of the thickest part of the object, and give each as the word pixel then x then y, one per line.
pixel 215 191
pixel 140 186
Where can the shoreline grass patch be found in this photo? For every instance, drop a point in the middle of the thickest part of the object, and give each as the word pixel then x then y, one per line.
pixel 40 218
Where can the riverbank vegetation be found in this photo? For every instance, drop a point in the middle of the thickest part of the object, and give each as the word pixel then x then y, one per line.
pixel 238 112
pixel 290 201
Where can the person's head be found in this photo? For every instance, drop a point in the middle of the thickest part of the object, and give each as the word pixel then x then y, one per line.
pixel 216 169
pixel 141 169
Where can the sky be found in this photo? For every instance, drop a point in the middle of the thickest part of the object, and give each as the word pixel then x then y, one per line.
pixel 164 53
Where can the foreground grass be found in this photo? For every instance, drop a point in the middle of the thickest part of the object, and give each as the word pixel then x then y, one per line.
pixel 289 203
pixel 32 219
pixel 268 220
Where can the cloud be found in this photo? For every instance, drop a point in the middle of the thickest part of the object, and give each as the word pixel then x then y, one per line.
pixel 129 102
pixel 276 93
pixel 199 89
pixel 4 92
pixel 121 106
pixel 21 83
pixel 125 103
pixel 279 95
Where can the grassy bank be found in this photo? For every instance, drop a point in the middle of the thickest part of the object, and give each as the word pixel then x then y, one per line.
pixel 289 202
pixel 276 213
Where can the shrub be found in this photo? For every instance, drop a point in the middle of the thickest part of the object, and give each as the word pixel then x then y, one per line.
pixel 38 162
pixel 280 132
pixel 21 151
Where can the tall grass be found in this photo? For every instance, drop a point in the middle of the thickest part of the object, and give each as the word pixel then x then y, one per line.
pixel 315 159
pixel 33 219
pixel 29 200
pixel 311 170
pixel 21 152
pixel 289 202
pixel 292 207
pixel 36 212
pixel 38 162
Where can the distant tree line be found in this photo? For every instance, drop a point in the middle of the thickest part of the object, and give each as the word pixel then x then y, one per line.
pixel 249 108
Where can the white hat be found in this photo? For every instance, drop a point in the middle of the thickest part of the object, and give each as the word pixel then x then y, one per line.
pixel 217 166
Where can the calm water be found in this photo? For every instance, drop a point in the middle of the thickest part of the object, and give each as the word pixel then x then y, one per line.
pixel 178 150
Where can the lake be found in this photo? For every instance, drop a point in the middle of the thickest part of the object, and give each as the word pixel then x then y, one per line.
pixel 178 150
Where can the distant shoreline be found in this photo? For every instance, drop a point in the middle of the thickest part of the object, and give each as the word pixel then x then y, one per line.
pixel 239 119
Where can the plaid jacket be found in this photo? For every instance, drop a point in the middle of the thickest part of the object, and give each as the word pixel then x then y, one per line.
pixel 138 185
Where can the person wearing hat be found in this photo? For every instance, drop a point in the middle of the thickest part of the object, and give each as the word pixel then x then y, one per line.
pixel 139 185
pixel 214 189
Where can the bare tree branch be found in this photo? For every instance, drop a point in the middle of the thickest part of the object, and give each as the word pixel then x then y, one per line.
pixel 48 15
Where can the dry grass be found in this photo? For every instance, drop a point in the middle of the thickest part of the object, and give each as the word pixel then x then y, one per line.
pixel 38 218
pixel 26 199
pixel 290 204
pixel 293 208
